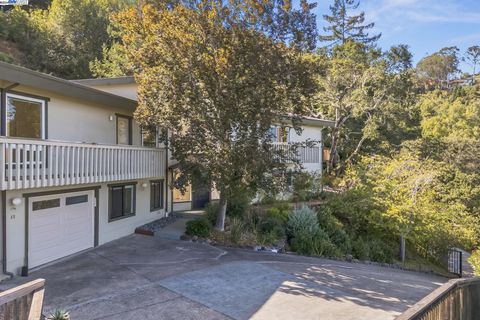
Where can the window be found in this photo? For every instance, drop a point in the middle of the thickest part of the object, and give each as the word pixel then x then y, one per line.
pixel 25 117
pixel 46 204
pixel 156 195
pixel 122 201
pixel 76 200
pixel 280 134
pixel 149 137
pixel 124 129
pixel 178 196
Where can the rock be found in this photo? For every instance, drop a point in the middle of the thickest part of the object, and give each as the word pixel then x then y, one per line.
pixel 195 238
pixel 257 248
pixel 348 258
pixel 185 237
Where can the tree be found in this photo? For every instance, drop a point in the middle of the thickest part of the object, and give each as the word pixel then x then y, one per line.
pixel 208 75
pixel 278 19
pixel 422 201
pixel 365 99
pixel 343 26
pixel 451 115
pixel 439 67
pixel 399 58
pixel 472 57
pixel 64 38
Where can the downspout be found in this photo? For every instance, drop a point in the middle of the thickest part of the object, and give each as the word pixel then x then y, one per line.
pixel 166 175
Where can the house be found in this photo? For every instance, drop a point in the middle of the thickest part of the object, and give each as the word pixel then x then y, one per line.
pixel 76 171
pixel 197 194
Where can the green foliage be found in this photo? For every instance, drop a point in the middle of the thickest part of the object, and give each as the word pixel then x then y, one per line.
pixel 280 212
pixel 451 115
pixel 59 315
pixel 237 227
pixel 474 260
pixel 238 203
pixel 6 57
pixel 199 227
pixel 344 27
pixel 64 38
pixel 439 67
pixel 223 69
pixel 211 212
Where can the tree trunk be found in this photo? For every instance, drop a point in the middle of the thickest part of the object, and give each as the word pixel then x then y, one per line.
pixel 402 248
pixel 222 210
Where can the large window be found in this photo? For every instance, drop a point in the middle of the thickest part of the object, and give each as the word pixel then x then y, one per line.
pixel 150 137
pixel 124 129
pixel 25 117
pixel 156 195
pixel 122 201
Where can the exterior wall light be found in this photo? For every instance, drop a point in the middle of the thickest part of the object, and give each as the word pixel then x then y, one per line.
pixel 16 201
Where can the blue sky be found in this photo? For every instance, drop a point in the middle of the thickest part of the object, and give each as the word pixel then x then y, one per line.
pixel 425 25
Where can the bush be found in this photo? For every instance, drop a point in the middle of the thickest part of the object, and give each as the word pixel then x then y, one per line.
pixel 237 228
pixel 59 315
pixel 306 236
pixel 474 260
pixel 272 225
pixel 360 249
pixel 211 212
pixel 380 251
pixel 199 227
pixel 238 203
pixel 280 212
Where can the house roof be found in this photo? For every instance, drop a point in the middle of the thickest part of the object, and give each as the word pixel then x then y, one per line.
pixel 106 81
pixel 27 77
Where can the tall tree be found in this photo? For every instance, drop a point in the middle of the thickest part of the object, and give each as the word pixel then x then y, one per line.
pixel 212 77
pixel 440 67
pixel 344 26
pixel 365 99
pixel 472 57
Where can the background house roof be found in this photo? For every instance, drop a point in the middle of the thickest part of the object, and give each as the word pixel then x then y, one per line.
pixel 23 76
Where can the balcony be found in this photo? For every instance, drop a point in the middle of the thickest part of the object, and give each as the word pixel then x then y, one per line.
pixel 304 154
pixel 41 163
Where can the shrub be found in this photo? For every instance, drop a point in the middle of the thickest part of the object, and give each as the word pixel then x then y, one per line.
pixel 360 249
pixel 302 220
pixel 380 251
pixel 474 260
pixel 59 315
pixel 306 236
pixel 280 212
pixel 272 225
pixel 237 228
pixel 199 227
pixel 238 203
pixel 211 212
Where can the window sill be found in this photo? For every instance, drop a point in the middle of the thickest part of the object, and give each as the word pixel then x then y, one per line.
pixel 120 218
pixel 182 201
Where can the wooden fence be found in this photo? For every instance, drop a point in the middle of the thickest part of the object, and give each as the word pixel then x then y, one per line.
pixel 24 302
pixel 458 299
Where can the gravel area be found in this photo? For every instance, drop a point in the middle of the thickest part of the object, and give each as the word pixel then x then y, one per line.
pixel 152 227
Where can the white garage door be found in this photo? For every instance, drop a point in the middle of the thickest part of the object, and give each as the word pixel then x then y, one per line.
pixel 59 225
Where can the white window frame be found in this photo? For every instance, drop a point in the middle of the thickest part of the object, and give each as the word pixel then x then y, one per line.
pixel 30 99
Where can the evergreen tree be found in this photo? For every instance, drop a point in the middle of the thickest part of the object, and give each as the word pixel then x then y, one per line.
pixel 343 26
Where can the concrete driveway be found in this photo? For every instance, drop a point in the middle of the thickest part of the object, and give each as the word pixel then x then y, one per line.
pixel 141 277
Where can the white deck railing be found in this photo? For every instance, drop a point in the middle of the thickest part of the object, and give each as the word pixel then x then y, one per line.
pixel 41 163
pixel 303 154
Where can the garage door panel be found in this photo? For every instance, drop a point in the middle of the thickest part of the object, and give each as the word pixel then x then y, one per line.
pixel 59 226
